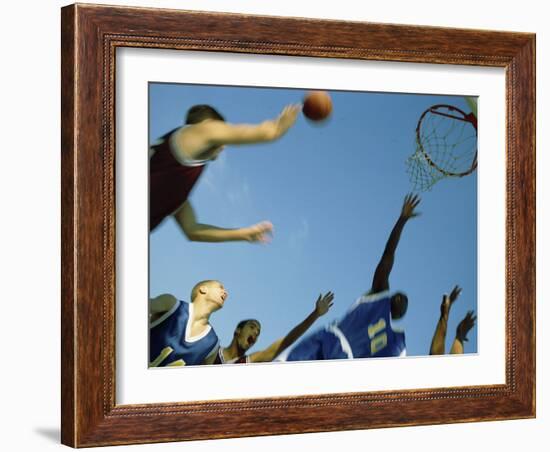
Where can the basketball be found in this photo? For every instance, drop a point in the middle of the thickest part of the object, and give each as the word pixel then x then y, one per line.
pixel 317 105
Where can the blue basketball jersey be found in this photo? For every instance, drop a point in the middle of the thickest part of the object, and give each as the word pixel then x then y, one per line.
pixel 170 343
pixel 364 332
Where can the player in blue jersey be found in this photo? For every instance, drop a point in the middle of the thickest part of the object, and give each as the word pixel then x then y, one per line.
pixel 180 333
pixel 465 325
pixel 247 332
pixel 366 330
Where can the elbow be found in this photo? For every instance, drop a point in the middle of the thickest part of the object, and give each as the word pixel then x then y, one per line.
pixel 191 234
pixel 194 236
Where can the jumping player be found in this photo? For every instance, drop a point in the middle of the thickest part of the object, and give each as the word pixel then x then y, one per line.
pixel 180 333
pixel 366 330
pixel 465 325
pixel 179 157
pixel 247 332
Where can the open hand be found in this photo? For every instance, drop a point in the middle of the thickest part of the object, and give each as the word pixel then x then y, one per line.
pixel 258 233
pixel 409 204
pixel 448 300
pixel 465 326
pixel 324 303
pixel 287 118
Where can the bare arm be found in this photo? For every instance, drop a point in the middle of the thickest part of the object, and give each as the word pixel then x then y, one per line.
pixel 438 340
pixel 198 232
pixel 322 305
pixel 462 331
pixel 214 133
pixel 380 281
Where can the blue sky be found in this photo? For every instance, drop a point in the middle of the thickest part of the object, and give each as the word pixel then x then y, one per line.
pixel 333 193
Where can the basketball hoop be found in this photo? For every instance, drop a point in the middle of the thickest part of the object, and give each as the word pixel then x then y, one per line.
pixel 446 146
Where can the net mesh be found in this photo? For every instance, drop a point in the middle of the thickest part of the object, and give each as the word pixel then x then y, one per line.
pixel 446 146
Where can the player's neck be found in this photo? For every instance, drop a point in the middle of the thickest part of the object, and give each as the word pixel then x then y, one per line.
pixel 233 351
pixel 201 311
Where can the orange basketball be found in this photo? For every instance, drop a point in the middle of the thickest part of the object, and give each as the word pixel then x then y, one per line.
pixel 317 105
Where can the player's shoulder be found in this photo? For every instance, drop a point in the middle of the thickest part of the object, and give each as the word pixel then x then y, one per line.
pixel 165 297
pixel 165 137
pixel 167 308
pixel 371 298
pixel 202 128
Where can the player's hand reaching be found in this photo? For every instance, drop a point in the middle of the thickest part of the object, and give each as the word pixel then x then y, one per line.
pixel 465 326
pixel 260 232
pixel 323 303
pixel 409 204
pixel 287 118
pixel 448 300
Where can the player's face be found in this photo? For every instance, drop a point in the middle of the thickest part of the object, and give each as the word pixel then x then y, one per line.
pixel 399 305
pixel 248 335
pixel 217 293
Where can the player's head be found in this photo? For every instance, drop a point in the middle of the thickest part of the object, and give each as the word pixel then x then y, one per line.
pixel 399 304
pixel 246 333
pixel 199 113
pixel 210 291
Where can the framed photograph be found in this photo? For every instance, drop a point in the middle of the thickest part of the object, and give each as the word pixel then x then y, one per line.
pixel 283 225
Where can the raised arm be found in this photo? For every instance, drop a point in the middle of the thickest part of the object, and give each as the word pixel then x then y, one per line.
pixel 380 281
pixel 462 331
pixel 198 232
pixel 322 305
pixel 438 340
pixel 213 133
pixel 220 133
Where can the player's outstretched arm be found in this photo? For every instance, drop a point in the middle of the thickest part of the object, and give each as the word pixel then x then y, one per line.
pixel 438 340
pixel 219 133
pixel 462 331
pixel 198 232
pixel 322 306
pixel 380 281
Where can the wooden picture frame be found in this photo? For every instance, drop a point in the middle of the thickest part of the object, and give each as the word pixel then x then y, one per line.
pixel 90 36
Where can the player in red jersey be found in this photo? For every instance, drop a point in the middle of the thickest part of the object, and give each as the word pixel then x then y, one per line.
pixel 247 332
pixel 465 325
pixel 179 157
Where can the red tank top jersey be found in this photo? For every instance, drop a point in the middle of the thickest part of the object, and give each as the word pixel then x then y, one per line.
pixel 170 182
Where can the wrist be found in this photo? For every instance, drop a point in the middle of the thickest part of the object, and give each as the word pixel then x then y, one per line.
pixel 235 234
pixel 273 129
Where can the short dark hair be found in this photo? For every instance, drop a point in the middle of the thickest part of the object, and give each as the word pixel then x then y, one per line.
pixel 399 305
pixel 242 323
pixel 198 113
